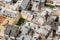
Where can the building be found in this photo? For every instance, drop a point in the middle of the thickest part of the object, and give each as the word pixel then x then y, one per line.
pixel 10 13
pixel 38 4
pixel 25 4
pixel 35 6
pixel 14 7
pixel 1 3
pixel 10 21
pixel 11 32
pixel 8 1
pixel 44 31
pixel 22 3
pixel 1 19
pixel 57 3
pixel 2 28
pixel 58 31
pixel 57 13
pixel 19 2
pixel 26 15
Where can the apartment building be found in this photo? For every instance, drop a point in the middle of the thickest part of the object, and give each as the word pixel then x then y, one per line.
pixel 3 2
pixel 57 3
pixel 35 6
pixel 57 13
pixel 23 3
pixel 11 32
pixel 26 15
pixel 37 23
pixel 38 4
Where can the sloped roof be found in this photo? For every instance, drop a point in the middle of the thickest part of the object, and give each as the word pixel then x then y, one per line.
pixel 24 4
pixel 11 31
pixel 1 18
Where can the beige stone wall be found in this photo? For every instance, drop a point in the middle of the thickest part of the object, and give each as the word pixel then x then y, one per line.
pixel 8 21
pixel 57 13
pixel 17 17
pixel 8 6
pixel 11 21
pixel 2 28
pixel 42 36
pixel 24 15
pixel 5 21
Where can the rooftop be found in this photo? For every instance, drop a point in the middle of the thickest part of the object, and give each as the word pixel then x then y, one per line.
pixel 1 19
pixel 11 30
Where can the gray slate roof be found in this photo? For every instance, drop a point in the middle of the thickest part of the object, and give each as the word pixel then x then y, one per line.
pixel 11 31
pixel 24 4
